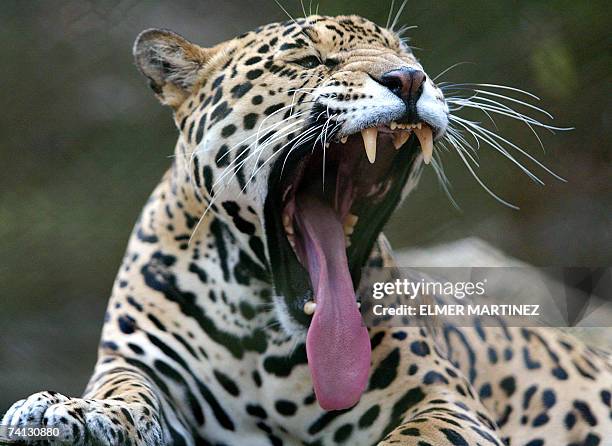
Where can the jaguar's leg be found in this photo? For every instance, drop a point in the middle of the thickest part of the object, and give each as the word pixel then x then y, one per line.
pixel 121 406
pixel 444 418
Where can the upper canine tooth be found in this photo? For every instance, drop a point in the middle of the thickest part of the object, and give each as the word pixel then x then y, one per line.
pixel 343 139
pixel 369 136
pixel 393 125
pixel 400 138
pixel 426 139
pixel 418 125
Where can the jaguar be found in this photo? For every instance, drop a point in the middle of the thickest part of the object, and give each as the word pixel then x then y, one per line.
pixel 234 318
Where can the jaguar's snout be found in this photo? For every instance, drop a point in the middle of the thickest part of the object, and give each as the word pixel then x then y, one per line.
pixel 407 84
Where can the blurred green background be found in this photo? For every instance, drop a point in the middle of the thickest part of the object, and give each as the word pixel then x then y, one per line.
pixel 83 142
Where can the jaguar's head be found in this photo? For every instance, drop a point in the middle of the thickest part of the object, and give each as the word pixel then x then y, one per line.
pixel 308 134
pixel 315 126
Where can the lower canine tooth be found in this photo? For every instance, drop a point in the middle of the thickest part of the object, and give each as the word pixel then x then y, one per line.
pixel 400 138
pixel 349 226
pixel 426 139
pixel 369 136
pixel 351 219
pixel 310 307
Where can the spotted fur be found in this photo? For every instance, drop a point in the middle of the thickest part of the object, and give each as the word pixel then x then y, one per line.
pixel 193 349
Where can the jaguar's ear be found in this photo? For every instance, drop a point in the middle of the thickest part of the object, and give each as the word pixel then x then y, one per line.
pixel 173 65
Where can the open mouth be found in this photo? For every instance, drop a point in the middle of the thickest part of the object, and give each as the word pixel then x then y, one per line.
pixel 325 208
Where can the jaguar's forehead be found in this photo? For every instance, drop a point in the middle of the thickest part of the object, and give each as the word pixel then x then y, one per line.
pixel 326 33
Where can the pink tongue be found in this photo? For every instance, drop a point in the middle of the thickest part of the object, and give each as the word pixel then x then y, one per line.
pixel 337 344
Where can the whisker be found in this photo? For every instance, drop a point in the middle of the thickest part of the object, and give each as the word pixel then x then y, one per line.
pixel 470 104
pixel 270 158
pixel 503 151
pixel 294 21
pixel 199 149
pixel 450 68
pixel 398 14
pixel 217 192
pixel 400 32
pixel 514 146
pixel 259 150
pixel 436 163
pixel 483 185
pixel 390 12
pixel 513 114
pixel 457 134
pixel 327 134
pixel 503 87
pixel 296 140
pixel 256 134
pixel 273 137
pixel 517 101
pixel 521 116
pixel 323 137
pixel 257 139
pixel 302 141
pixel 304 137
pixel 459 146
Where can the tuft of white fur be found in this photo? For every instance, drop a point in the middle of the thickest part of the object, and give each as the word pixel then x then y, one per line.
pixel 288 324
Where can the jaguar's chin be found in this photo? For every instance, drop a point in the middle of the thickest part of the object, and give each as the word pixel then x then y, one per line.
pixel 326 206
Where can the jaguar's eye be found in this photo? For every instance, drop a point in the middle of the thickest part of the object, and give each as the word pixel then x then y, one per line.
pixel 308 62
pixel 331 63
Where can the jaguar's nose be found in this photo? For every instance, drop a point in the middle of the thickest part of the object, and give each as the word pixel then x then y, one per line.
pixel 406 83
